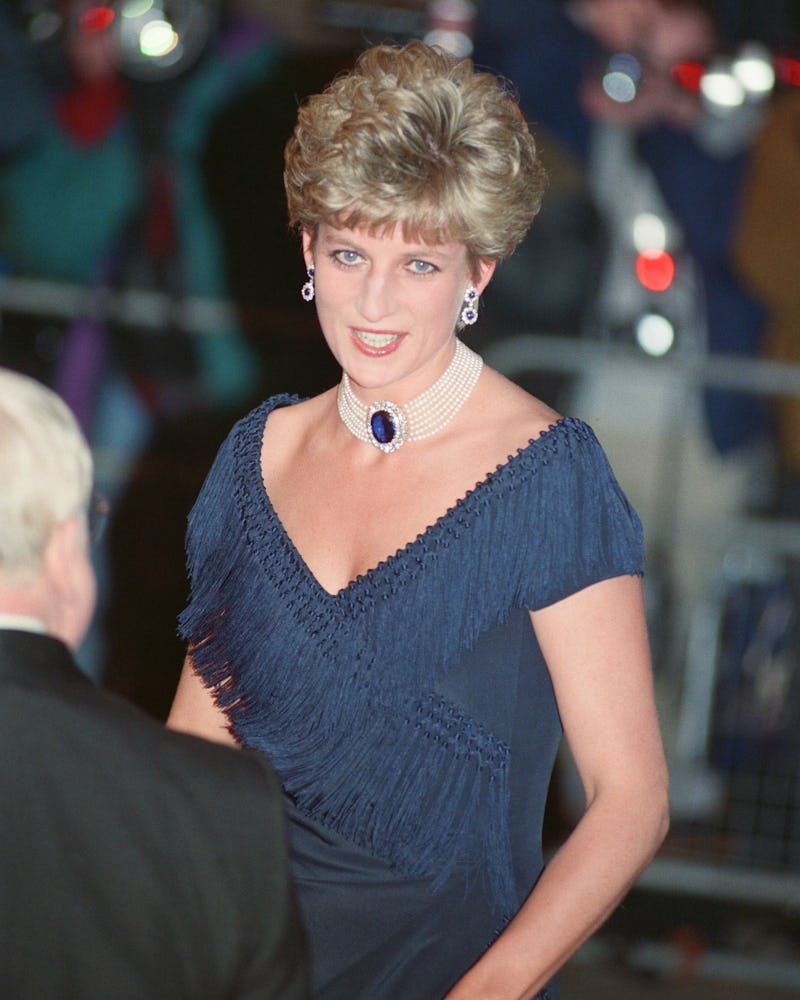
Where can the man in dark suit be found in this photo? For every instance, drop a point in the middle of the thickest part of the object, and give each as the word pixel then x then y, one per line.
pixel 135 863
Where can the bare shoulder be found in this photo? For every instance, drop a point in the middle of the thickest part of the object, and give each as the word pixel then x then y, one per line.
pixel 283 419
pixel 288 426
pixel 511 413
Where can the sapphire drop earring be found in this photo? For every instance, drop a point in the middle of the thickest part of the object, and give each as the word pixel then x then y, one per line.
pixel 469 314
pixel 307 291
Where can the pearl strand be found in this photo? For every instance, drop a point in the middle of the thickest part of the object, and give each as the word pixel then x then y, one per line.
pixel 387 425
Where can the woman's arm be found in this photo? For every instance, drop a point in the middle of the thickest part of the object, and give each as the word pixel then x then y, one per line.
pixel 595 645
pixel 195 711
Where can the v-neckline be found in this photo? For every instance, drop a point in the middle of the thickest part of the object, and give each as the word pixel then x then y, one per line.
pixel 387 562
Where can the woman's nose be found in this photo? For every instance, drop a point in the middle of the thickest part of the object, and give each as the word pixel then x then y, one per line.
pixel 375 297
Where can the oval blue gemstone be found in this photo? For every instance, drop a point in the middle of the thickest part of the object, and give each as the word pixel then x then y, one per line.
pixel 383 427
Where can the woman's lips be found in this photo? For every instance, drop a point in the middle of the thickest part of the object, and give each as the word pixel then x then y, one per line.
pixel 374 343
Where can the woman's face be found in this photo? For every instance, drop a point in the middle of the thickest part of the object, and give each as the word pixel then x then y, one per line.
pixel 388 307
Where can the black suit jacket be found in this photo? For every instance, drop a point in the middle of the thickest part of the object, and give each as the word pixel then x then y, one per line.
pixel 134 862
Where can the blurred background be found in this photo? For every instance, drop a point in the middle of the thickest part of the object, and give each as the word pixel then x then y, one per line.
pixel 147 273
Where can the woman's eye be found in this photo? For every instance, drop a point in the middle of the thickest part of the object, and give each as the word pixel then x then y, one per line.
pixel 422 267
pixel 347 256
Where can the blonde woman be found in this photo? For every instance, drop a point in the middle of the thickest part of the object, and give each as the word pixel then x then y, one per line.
pixel 403 589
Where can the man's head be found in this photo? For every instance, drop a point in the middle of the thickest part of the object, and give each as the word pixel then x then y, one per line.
pixel 45 490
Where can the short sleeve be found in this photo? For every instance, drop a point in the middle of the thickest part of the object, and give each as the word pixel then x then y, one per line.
pixel 582 529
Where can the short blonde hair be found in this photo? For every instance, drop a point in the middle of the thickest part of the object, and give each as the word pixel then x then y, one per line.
pixel 45 471
pixel 414 136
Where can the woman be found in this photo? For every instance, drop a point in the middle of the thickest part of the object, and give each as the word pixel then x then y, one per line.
pixel 403 630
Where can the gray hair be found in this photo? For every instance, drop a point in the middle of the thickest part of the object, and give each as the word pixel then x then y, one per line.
pixel 45 471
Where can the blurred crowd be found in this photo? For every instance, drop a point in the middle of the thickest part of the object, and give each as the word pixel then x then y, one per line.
pixel 118 177
pixel 709 165
pixel 157 185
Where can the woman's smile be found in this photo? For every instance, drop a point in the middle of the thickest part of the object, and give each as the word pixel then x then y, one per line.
pixel 376 344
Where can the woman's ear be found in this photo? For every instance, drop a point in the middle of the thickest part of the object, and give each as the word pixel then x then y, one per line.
pixel 308 246
pixel 485 272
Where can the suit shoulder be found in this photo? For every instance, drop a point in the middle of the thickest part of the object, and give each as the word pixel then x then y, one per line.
pixel 221 762
pixel 131 732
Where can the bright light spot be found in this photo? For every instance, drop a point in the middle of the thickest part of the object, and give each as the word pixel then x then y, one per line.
pixel 655 334
pixel 619 87
pixel 688 75
pixel 753 69
pixel 649 232
pixel 622 62
pixel 457 43
pixel 136 8
pixel 157 38
pixel 788 70
pixel 655 269
pixel 621 77
pixel 721 88
pixel 454 11
pixel 96 19
pixel 43 26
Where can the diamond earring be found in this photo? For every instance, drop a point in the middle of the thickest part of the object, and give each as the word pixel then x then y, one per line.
pixel 307 291
pixel 469 314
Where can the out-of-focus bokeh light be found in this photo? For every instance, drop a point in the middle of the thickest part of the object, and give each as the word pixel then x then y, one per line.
pixel 649 232
pixel 136 8
pixel 457 43
pixel 720 88
pixel 787 70
pixel 655 269
pixel 44 25
pixel 157 38
pixel 160 40
pixel 688 75
pixel 96 18
pixel 655 334
pixel 622 77
pixel 451 26
pixel 752 67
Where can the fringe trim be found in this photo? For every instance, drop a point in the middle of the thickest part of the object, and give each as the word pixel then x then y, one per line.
pixel 377 755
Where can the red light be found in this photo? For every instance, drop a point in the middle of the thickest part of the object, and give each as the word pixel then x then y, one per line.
pixel 655 269
pixel 787 70
pixel 688 75
pixel 96 19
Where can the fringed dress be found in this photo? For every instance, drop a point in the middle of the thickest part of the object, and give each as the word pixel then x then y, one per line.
pixel 410 716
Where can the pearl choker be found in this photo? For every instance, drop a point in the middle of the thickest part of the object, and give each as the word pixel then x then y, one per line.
pixel 387 425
